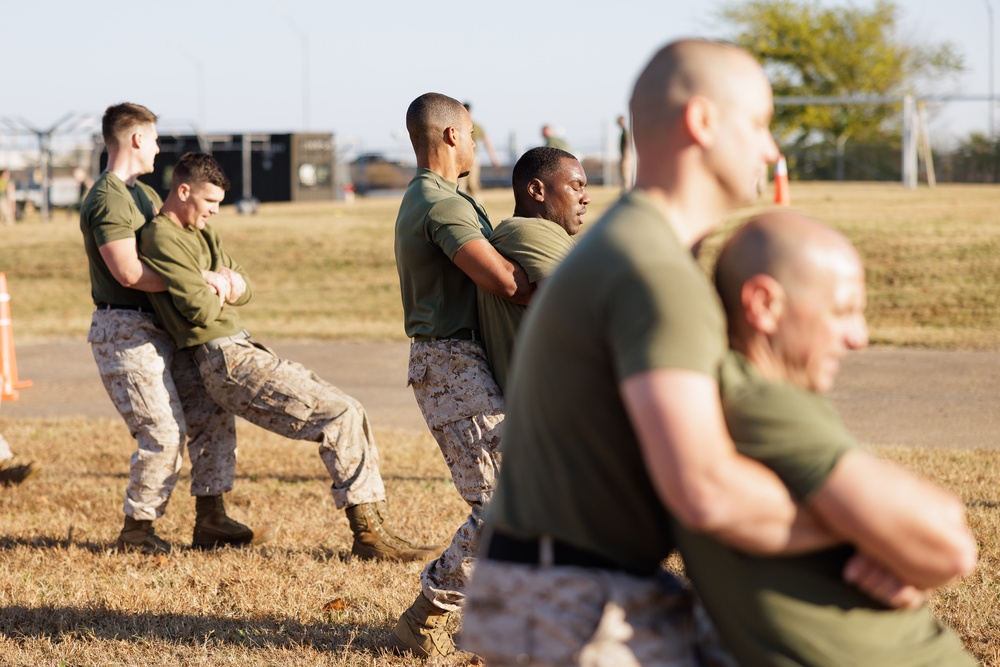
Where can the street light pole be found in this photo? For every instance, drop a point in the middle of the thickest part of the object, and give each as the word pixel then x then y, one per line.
pixel 989 11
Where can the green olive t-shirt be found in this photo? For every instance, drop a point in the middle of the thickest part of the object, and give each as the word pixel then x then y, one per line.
pixel 628 298
pixel 538 246
pixel 798 610
pixel 113 211
pixel 190 311
pixel 434 221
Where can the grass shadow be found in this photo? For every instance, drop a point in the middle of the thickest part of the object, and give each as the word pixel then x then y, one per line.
pixel 60 624
pixel 51 543
pixel 984 504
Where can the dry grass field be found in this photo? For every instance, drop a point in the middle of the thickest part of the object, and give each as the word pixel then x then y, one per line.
pixel 326 271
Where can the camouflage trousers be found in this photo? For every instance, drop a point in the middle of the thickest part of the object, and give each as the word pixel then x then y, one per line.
pixel 556 616
pixel 284 397
pixel 158 392
pixel 463 407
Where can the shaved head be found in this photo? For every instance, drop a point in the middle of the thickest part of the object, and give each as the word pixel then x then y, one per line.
pixel 685 69
pixel 794 294
pixel 427 118
pixel 788 246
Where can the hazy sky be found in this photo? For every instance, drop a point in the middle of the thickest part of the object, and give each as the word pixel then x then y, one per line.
pixel 238 66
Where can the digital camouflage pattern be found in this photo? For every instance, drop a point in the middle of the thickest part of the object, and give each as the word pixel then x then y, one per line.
pixel 211 431
pixel 464 409
pixel 281 396
pixel 528 615
pixel 151 386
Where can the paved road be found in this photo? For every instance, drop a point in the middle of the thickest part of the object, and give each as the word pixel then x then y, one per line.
pixel 887 396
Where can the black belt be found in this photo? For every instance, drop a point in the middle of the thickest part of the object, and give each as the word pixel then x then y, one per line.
pixel 112 306
pixel 530 552
pixel 461 334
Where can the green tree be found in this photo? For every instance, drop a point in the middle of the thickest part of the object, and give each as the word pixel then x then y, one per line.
pixel 808 50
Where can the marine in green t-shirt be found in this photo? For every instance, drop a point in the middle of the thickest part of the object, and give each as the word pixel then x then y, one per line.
pixel 112 211
pixel 794 293
pixel 550 200
pixel 553 140
pixel 189 309
pixel 435 220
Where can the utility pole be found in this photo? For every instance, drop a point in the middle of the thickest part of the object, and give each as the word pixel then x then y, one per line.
pixel 989 12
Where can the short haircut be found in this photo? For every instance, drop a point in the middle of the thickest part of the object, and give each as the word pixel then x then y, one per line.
pixel 428 116
pixel 121 117
pixel 197 168
pixel 538 163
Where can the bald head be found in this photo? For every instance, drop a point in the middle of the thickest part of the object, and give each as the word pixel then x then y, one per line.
pixel 788 246
pixel 700 117
pixel 427 118
pixel 685 69
pixel 793 290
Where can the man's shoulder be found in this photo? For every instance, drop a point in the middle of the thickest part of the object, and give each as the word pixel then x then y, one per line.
pixel 517 232
pixel 755 404
pixel 107 186
pixel 429 195
pixel 157 230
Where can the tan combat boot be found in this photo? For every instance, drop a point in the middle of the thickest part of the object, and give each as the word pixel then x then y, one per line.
pixel 213 528
pixel 376 539
pixel 138 535
pixel 422 631
pixel 13 472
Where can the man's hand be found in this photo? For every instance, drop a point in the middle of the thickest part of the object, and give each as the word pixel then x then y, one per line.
pixel 237 286
pixel 220 284
pixel 881 584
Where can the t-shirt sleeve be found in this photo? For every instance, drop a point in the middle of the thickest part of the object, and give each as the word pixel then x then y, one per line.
pixel 112 219
pixel 666 317
pixel 452 223
pixel 796 434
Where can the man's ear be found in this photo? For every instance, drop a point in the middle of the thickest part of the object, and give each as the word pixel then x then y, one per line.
pixel 537 190
pixel 451 136
pixel 763 300
pixel 137 140
pixel 183 191
pixel 700 118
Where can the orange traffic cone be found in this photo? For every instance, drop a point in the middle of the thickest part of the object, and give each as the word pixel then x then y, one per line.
pixel 782 197
pixel 8 364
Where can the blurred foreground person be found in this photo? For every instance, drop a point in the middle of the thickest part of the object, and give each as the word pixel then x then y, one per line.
pixel 614 419
pixel 794 294
pixel 246 378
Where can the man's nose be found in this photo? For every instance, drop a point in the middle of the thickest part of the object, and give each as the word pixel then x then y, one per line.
pixel 857 334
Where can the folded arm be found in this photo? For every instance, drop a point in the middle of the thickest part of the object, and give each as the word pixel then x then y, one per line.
pixel 122 259
pixel 699 475
pixel 493 272
pixel 913 528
